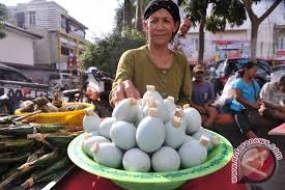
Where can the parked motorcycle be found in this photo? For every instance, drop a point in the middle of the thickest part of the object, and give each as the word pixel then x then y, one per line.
pixel 99 84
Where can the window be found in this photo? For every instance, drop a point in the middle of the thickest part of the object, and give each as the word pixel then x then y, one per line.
pixel 13 76
pixel 32 17
pixel 54 77
pixel 63 21
pixel 66 76
pixel 281 43
pixel 64 50
pixel 20 19
pixel 17 77
pixel 196 44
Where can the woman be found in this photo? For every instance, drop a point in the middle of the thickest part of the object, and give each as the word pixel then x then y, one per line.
pixel 154 64
pixel 246 103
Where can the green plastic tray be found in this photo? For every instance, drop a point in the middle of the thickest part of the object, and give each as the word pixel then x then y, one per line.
pixel 217 159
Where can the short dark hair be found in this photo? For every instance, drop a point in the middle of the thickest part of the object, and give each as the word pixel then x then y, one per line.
pixel 169 5
pixel 247 66
pixel 282 80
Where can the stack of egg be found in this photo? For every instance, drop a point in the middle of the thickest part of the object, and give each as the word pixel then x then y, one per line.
pixel 150 134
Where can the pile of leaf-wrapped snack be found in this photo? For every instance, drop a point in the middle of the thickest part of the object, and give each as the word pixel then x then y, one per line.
pixel 32 153
pixel 44 105
pixel 41 110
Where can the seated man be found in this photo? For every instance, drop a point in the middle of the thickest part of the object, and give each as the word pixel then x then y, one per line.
pixel 203 96
pixel 272 96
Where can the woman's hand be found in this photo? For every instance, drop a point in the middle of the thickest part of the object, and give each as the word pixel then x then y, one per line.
pixel 124 90
pixel 130 90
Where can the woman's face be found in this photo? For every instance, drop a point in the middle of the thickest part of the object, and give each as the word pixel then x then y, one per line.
pixel 251 72
pixel 159 27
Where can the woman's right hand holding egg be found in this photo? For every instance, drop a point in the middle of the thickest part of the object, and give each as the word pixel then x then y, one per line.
pixel 124 90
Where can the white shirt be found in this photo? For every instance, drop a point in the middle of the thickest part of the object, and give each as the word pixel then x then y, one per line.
pixel 271 94
pixel 186 45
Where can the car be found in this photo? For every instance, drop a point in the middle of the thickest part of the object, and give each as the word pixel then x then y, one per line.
pixel 12 74
pixel 277 72
pixel 16 87
pixel 219 72
pixel 65 80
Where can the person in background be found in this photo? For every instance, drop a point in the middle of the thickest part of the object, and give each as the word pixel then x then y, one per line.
pixel 98 85
pixel 272 96
pixel 154 63
pixel 182 42
pixel 203 96
pixel 245 103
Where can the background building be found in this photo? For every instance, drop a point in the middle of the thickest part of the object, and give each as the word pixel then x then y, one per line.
pixel 235 42
pixel 18 45
pixel 63 36
pixel 17 50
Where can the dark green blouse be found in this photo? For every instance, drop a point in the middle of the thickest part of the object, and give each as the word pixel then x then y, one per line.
pixel 135 65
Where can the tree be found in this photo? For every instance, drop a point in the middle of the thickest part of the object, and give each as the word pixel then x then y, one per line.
pixel 88 56
pixel 255 21
pixel 2 17
pixel 140 6
pixel 127 15
pixel 106 53
pixel 138 24
pixel 226 11
pixel 119 20
pixel 223 12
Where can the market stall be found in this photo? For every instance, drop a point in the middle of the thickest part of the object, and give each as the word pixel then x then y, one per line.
pixel 52 149
pixel 34 141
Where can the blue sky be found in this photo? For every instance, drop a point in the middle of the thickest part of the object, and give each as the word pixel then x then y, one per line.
pixel 97 15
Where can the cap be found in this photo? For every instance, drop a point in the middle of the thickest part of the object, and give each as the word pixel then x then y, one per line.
pixel 198 68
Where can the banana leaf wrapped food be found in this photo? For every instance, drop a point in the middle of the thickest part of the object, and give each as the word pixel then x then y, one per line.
pixel 8 119
pixel 48 173
pixel 28 163
pixel 15 143
pixel 25 129
pixel 32 163
pixel 59 140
